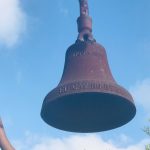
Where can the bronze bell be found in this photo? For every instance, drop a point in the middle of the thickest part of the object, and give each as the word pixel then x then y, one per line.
pixel 87 99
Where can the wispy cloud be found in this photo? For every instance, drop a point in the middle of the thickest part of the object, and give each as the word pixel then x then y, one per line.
pixel 12 22
pixel 19 77
pixel 63 9
pixel 88 142
pixel 141 93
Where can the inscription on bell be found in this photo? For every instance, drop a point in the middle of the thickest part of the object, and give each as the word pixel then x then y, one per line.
pixel 73 86
pixel 86 85
pixel 82 53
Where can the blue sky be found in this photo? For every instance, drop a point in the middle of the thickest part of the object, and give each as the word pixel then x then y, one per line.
pixel 34 36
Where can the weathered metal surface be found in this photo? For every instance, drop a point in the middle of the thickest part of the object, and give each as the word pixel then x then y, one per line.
pixel 87 99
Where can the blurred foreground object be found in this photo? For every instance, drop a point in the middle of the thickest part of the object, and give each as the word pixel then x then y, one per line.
pixel 4 142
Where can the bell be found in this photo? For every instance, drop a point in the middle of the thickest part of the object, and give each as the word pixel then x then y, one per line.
pixel 87 99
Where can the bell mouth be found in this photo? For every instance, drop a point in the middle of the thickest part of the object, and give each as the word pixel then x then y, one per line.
pixel 87 112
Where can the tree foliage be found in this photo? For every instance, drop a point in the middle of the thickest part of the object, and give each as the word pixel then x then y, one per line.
pixel 147 131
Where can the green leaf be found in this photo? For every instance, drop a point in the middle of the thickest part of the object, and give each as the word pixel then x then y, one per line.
pixel 147 130
pixel 147 147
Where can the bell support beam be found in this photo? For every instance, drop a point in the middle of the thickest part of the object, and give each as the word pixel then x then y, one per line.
pixel 84 10
pixel 84 22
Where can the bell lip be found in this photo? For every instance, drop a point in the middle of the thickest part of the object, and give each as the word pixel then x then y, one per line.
pixel 130 102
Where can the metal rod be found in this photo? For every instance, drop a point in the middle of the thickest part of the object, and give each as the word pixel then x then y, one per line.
pixel 84 10
pixel 84 23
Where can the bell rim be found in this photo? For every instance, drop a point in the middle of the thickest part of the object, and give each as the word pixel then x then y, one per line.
pixel 129 103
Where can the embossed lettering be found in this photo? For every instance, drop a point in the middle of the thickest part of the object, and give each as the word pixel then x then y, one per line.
pixel 89 85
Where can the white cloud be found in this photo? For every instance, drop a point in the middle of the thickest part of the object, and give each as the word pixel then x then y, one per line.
pixel 87 142
pixel 12 22
pixel 141 93
pixel 122 140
